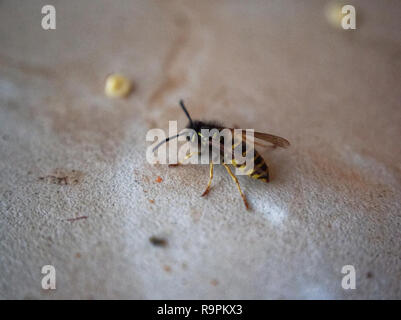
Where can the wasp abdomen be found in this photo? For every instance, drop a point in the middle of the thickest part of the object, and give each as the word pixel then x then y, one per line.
pixel 260 169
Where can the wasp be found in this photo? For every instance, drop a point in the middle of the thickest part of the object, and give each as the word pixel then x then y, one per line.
pixel 259 171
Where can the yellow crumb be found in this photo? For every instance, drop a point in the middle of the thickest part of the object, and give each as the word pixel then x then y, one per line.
pixel 117 86
pixel 333 13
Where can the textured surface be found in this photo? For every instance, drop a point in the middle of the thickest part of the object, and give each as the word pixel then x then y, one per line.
pixel 67 151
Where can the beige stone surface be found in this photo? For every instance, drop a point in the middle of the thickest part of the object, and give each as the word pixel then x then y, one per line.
pixel 68 151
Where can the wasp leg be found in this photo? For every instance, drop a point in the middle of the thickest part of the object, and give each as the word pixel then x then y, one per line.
pixel 210 180
pixel 237 183
pixel 189 155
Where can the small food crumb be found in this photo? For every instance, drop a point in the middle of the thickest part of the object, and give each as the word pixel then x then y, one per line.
pixel 117 86
pixel 151 201
pixel 333 14
pixel 158 242
pixel 167 268
pixel 214 282
pixel 159 179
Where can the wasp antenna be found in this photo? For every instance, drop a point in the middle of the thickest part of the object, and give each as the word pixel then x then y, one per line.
pixel 186 112
pixel 168 139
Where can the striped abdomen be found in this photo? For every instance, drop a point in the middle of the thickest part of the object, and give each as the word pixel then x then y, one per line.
pixel 260 169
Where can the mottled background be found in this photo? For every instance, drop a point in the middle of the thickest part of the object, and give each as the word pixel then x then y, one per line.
pixel 67 151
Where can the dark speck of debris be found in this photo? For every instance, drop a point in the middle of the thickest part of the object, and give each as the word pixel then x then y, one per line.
pixel 158 242
pixel 214 282
pixel 77 218
pixel 63 177
pixel 369 275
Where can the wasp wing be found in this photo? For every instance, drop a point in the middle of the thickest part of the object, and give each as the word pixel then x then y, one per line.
pixel 275 140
